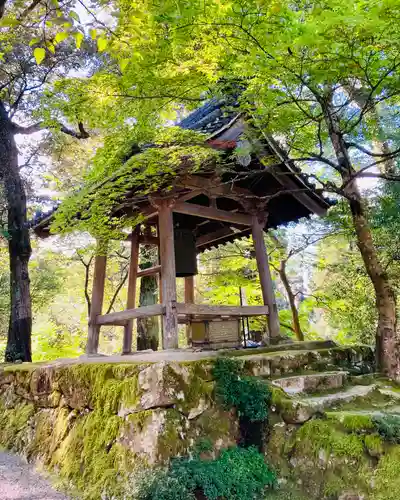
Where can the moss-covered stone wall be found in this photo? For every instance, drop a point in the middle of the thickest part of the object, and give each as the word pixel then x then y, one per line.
pixel 95 424
pixel 335 455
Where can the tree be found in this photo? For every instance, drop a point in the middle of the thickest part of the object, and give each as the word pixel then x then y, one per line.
pixel 47 280
pixel 295 66
pixel 36 47
pixel 344 291
pixel 295 62
pixel 148 328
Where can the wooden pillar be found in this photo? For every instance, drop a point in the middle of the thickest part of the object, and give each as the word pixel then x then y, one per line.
pixel 131 300
pixel 189 299
pixel 265 276
pixel 99 277
pixel 168 275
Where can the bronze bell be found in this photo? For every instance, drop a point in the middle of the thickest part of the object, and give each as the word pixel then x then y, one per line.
pixel 185 252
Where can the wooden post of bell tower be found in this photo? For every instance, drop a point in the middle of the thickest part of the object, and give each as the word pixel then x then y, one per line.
pixel 99 276
pixel 264 272
pixel 168 274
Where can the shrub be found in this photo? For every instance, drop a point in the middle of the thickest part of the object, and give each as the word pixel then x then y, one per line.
pixel 388 426
pixel 248 395
pixel 237 474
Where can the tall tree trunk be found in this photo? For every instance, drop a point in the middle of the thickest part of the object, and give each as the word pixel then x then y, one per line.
pixel 148 328
pixel 387 343
pixel 292 302
pixel 19 247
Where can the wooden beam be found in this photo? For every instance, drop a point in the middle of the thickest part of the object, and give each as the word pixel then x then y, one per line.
pixel 168 275
pixel 144 239
pixel 191 194
pixel 305 198
pixel 149 271
pixel 99 276
pixel 265 276
pixel 206 310
pixel 147 239
pixel 214 185
pixel 132 279
pixel 212 213
pixel 208 239
pixel 140 312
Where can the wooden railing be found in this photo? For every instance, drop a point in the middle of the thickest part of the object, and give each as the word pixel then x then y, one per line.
pixel 188 310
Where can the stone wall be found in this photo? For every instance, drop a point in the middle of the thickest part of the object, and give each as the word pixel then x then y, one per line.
pixel 97 423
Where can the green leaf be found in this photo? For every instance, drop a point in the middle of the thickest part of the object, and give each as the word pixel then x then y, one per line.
pixel 78 39
pixel 9 21
pixel 61 36
pixel 123 64
pixel 93 33
pixel 51 47
pixel 34 41
pixel 74 16
pixel 102 44
pixel 39 54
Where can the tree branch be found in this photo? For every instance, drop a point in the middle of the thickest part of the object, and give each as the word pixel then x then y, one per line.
pixel 36 127
pixel 87 266
pixel 370 153
pixel 114 297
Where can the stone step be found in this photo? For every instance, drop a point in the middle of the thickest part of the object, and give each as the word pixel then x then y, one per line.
pixel 342 416
pixel 374 398
pixel 314 382
pixel 355 360
pixel 297 409
pixel 322 403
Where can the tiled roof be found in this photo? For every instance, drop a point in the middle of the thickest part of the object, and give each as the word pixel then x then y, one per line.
pixel 210 117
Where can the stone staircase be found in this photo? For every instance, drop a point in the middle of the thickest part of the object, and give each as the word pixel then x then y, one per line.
pixel 334 425
pixel 332 392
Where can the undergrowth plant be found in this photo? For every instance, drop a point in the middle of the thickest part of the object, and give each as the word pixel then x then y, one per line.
pixel 236 474
pixel 388 426
pixel 248 395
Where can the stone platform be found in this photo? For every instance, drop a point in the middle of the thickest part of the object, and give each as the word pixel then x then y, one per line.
pixel 96 419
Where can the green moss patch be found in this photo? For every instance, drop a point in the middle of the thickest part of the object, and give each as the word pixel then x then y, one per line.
pixel 13 424
pixel 387 478
pixel 317 435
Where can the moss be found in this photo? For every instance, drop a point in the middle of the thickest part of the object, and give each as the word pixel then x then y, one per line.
pixel 218 425
pixel 90 457
pixel 13 423
pixel 100 386
pixel 279 447
pixel 352 421
pixel 374 445
pixel 286 493
pixel 285 407
pixel 375 400
pixel 189 383
pixel 22 367
pixel 357 423
pixel 387 478
pixel 333 485
pixel 39 445
pixel 323 458
pixel 171 442
pixel 320 434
